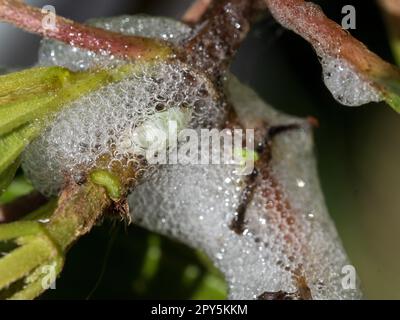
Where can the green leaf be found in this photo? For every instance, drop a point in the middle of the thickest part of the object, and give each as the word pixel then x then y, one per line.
pixel 31 82
pixel 30 97
pixel 391 92
pixel 7 176
pixel 12 144
pixel 395 43
pixel 37 100
pixel 17 188
pixel 394 101
pixel 34 94
pixel 16 114
pixel 39 245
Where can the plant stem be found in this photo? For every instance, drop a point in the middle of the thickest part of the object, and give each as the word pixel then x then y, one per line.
pixel 79 35
pixel 330 40
pixel 195 12
pixel 43 245
pixel 79 209
pixel 391 10
pixel 217 38
pixel 308 20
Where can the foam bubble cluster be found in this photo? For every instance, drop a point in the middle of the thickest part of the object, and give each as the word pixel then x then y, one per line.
pixel 57 53
pixel 102 123
pixel 288 244
pixel 346 85
pixel 288 237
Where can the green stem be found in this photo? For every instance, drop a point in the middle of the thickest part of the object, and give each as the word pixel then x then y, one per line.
pixel 41 245
pixel 24 259
pixel 79 208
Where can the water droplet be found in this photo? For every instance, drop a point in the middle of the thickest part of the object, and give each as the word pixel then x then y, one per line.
pixel 310 215
pixel 262 220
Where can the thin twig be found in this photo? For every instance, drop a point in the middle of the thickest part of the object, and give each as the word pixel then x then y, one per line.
pixel 327 37
pixel 217 38
pixel 391 11
pixel 79 35
pixel 195 12
pixel 391 6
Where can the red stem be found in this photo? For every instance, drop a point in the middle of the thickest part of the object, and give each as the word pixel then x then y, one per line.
pixel 79 35
pixel 327 37
pixel 391 10
pixel 196 11
pixel 217 38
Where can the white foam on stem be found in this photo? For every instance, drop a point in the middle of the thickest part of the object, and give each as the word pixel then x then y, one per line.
pixel 287 228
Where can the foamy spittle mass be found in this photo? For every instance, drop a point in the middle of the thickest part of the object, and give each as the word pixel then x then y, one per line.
pixel 288 241
pixel 347 85
pixel 288 230
pixel 103 123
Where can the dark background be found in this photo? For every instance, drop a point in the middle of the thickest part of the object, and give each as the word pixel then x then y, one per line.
pixel 357 150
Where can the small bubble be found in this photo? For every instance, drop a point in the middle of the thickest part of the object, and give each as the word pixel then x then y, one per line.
pixel 270 204
pixel 228 180
pixel 219 256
